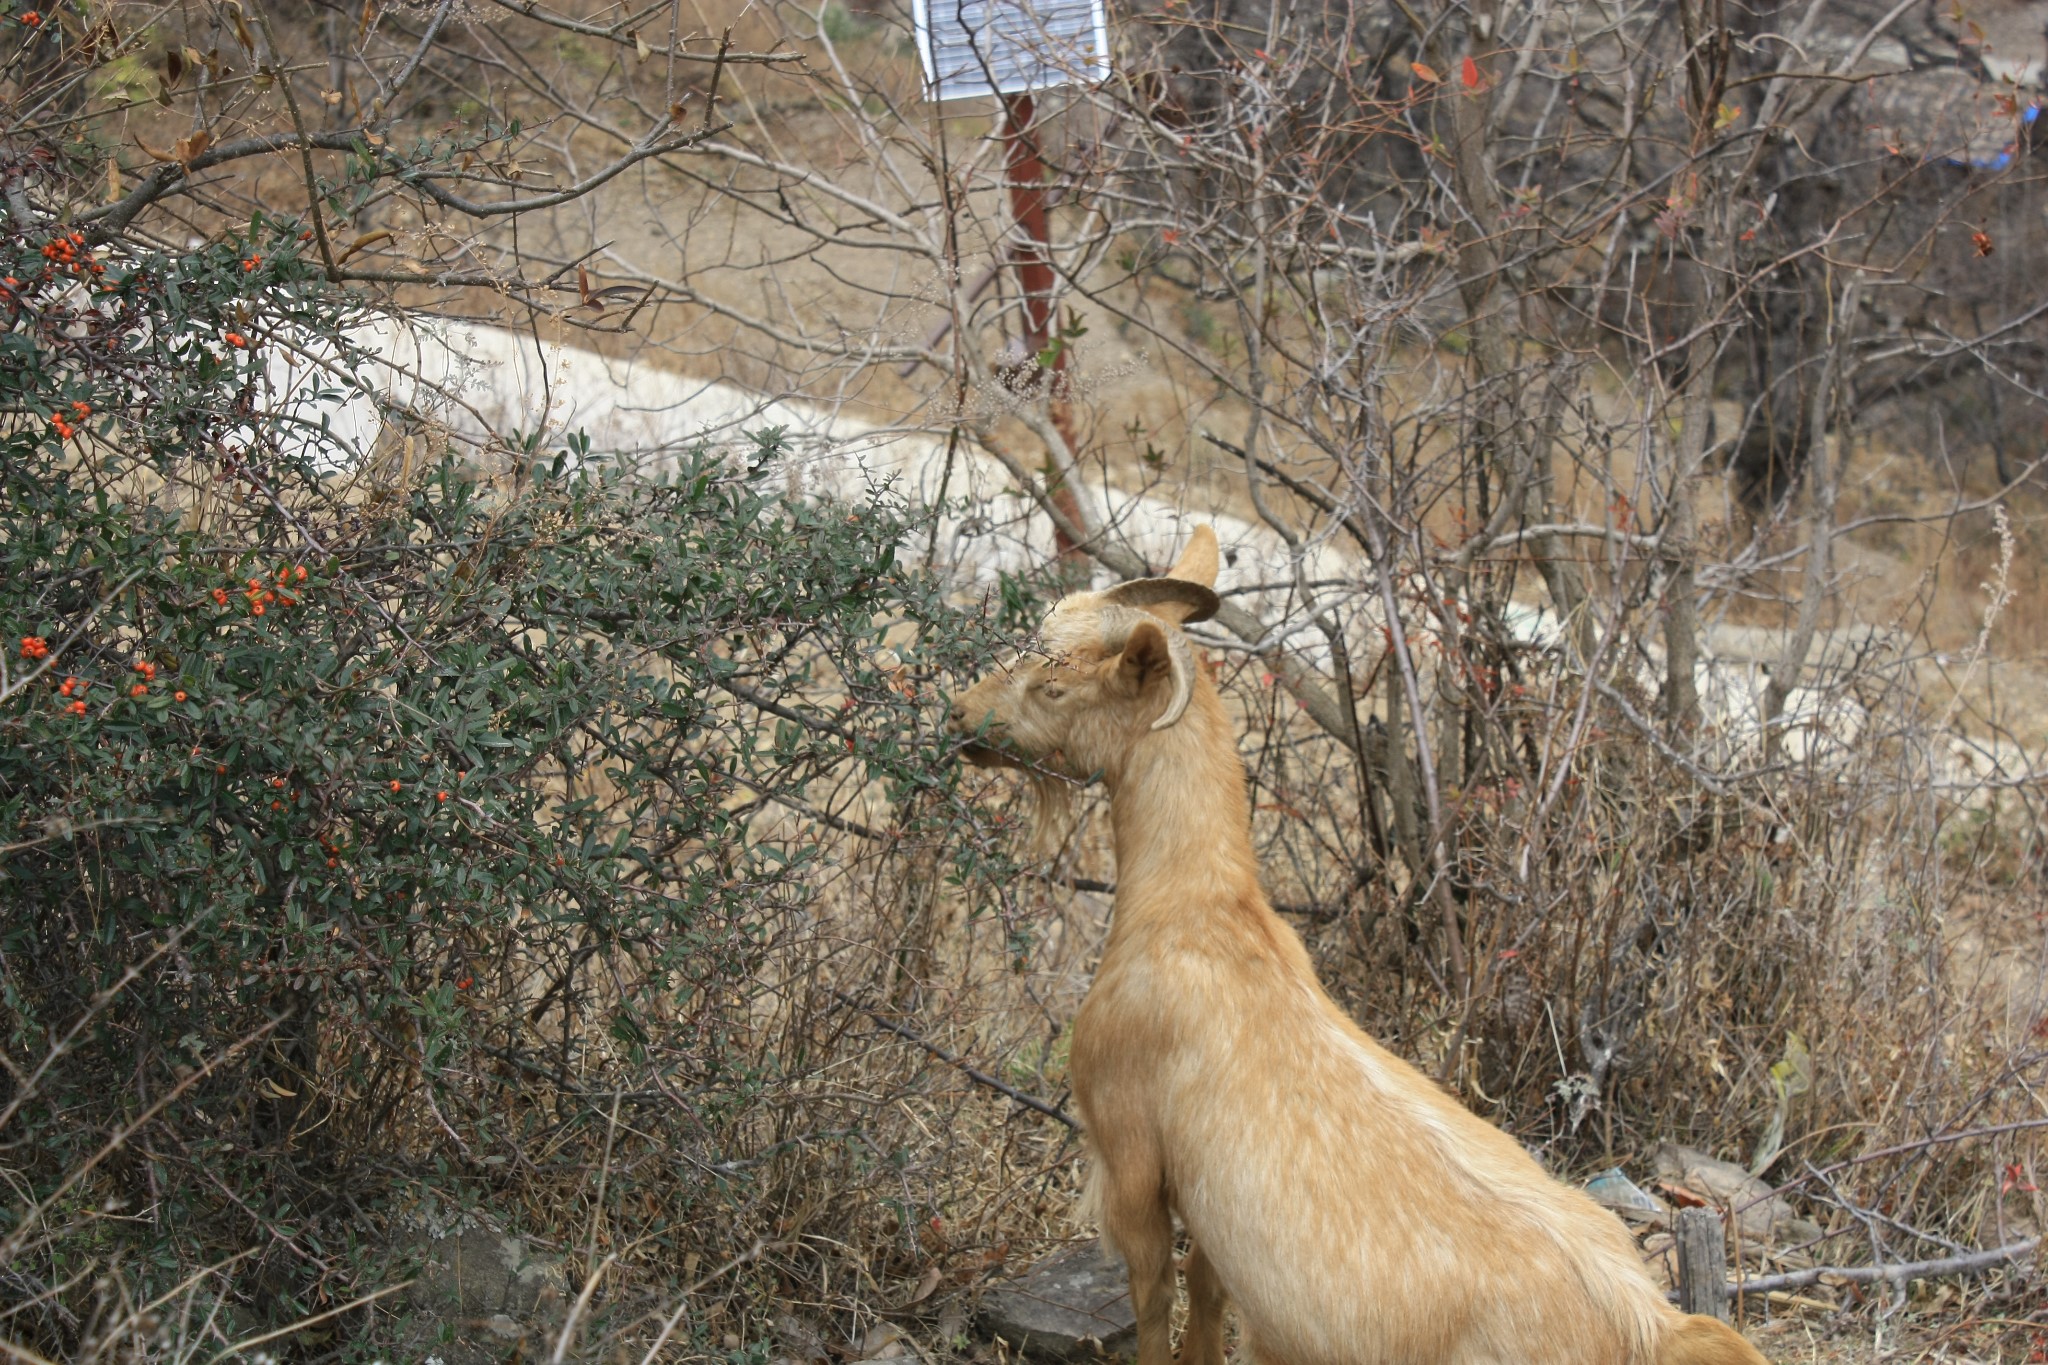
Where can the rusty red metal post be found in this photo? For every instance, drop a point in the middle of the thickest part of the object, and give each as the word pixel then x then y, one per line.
pixel 1031 250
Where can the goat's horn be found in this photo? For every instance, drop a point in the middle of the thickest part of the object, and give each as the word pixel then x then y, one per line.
pixel 1171 599
pixel 1183 661
pixel 1179 657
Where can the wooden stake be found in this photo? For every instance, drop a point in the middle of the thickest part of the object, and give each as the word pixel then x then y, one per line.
pixel 1702 1263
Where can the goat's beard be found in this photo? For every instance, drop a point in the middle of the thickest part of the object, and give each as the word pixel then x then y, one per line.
pixel 1055 811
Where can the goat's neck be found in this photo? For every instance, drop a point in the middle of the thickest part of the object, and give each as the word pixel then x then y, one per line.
pixel 1177 810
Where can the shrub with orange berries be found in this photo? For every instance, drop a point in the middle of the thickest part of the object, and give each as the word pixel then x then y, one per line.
pixel 323 775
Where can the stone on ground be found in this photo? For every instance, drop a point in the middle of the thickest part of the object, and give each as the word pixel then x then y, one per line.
pixel 1075 1305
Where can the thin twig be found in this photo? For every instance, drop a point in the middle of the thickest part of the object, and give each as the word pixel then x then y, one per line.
pixel 980 1077
pixel 568 1331
pixel 291 103
pixel 303 1323
pixel 711 94
pixel 1902 1149
pixel 683 1299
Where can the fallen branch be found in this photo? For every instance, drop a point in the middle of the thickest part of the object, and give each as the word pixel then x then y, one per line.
pixel 980 1077
pixel 1894 1274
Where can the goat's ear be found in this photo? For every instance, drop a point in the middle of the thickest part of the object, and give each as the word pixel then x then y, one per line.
pixel 1198 562
pixel 1145 656
pixel 1153 653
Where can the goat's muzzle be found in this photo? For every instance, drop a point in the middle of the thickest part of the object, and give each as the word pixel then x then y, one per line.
pixel 975 750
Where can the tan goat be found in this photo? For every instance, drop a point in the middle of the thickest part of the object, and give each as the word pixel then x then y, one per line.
pixel 1354 1212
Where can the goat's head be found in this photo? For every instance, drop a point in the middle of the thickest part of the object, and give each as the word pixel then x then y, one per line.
pixel 1105 669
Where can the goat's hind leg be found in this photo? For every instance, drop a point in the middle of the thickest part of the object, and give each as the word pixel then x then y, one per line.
pixel 1202 1342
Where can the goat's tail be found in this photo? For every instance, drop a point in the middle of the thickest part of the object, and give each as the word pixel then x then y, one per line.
pixel 1697 1340
pixel 1089 1207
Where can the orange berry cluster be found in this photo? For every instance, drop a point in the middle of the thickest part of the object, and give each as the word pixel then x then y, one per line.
pixel 74 688
pixel 69 253
pixel 34 647
pixel 63 427
pixel 261 598
pixel 333 850
pixel 148 672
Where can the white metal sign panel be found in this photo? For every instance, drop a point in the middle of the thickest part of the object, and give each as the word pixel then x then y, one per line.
pixel 1009 47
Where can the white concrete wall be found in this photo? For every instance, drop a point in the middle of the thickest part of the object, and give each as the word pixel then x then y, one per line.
pixel 484 382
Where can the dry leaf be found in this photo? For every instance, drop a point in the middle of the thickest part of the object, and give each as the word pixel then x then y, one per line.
pixel 241 26
pixel 367 239
pixel 89 43
pixel 1424 72
pixel 884 1341
pixel 1679 1194
pixel 182 151
pixel 926 1287
pixel 640 46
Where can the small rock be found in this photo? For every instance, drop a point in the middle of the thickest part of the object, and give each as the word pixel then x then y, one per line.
pixel 479 1292
pixel 1765 1218
pixel 479 1271
pixel 1072 1306
pixel 504 1326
